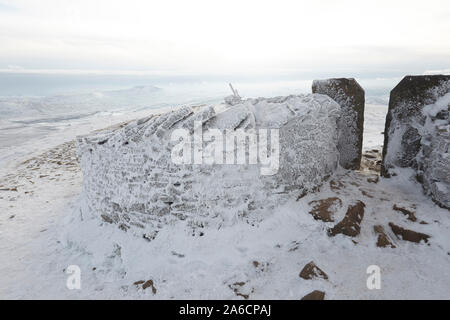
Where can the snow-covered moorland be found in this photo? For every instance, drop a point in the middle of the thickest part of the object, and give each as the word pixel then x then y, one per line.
pixel 42 232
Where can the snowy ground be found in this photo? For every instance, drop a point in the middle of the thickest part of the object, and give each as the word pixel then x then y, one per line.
pixel 41 234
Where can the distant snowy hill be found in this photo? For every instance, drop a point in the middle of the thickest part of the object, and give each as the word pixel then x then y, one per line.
pixel 77 104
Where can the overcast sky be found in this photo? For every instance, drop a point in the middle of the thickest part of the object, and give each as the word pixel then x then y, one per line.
pixel 225 37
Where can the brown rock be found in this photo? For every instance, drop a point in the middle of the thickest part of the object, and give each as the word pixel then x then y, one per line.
pixel 315 295
pixel 9 189
pixel 260 266
pixel 350 96
pixel 408 235
pixel 236 287
pixel 147 284
pixel 406 212
pixel 324 209
pixel 336 185
pixel 350 225
pixel 383 240
pixel 311 271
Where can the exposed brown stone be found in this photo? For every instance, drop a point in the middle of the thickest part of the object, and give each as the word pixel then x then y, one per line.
pixel 315 295
pixel 311 271
pixel 408 235
pixel 383 240
pixel 406 212
pixel 236 289
pixel 9 189
pixel 146 284
pixel 350 225
pixel 336 185
pixel 350 96
pixel 149 283
pixel 260 266
pixel 323 209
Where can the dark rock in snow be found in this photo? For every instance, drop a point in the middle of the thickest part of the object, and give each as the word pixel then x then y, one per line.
pixel 350 96
pixel 311 271
pixel 350 225
pixel 408 235
pixel 149 284
pixel 383 240
pixel 324 209
pixel 406 212
pixel 315 295
pixel 146 284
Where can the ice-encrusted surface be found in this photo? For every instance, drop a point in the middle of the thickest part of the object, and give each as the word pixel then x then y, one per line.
pixel 129 178
pixel 417 133
pixel 435 154
pixel 350 96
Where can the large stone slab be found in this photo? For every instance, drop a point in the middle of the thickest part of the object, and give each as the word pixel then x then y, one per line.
pixel 131 180
pixel 417 133
pixel 350 96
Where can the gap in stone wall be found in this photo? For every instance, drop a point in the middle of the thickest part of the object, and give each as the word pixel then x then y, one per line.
pixel 373 135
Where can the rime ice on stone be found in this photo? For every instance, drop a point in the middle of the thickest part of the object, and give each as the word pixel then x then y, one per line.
pixel 417 133
pixel 350 96
pixel 130 180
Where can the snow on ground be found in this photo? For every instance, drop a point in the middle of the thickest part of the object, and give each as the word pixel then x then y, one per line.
pixel 42 233
pixel 374 118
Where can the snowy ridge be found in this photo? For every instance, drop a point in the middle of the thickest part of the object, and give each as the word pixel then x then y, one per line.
pixel 75 104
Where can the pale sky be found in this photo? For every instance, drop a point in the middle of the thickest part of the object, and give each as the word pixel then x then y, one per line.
pixel 225 37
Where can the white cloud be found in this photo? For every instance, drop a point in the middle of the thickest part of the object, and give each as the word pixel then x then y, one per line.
pixel 226 36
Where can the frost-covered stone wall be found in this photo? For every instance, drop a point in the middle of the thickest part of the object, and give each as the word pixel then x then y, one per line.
pixel 129 177
pixel 417 133
pixel 350 96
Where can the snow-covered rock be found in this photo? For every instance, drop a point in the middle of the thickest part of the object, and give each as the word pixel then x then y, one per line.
pixel 417 133
pixel 350 96
pixel 130 178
